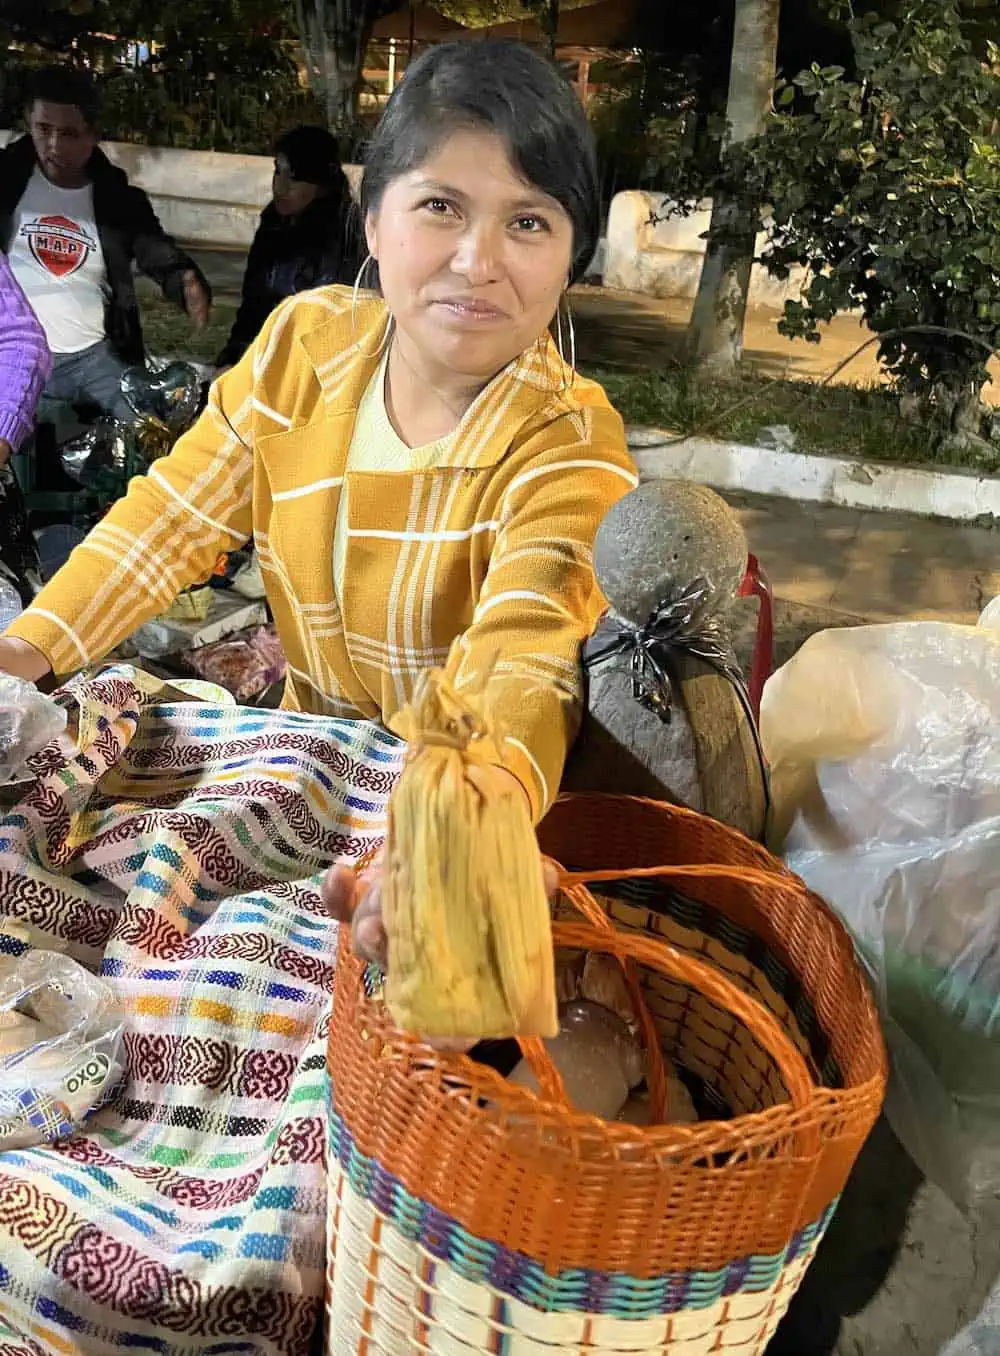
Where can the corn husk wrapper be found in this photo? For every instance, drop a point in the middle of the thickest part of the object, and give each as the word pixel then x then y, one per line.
pixel 464 904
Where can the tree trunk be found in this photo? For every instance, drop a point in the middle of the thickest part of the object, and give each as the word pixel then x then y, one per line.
pixel 550 24
pixel 715 337
pixel 334 36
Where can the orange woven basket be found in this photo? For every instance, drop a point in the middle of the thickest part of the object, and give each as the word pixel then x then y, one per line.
pixel 466 1211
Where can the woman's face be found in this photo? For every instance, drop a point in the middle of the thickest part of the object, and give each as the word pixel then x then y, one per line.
pixel 291 196
pixel 472 259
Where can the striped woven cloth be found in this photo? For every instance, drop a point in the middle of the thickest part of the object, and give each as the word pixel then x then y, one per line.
pixel 179 852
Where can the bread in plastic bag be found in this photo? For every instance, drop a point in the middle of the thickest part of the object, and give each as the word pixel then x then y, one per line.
pixel 884 745
pixel 60 1048
pixel 28 721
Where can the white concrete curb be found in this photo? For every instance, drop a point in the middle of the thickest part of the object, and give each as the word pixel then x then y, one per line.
pixel 963 496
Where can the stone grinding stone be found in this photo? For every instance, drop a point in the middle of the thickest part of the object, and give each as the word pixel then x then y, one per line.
pixel 653 544
pixel 705 758
pixel 662 537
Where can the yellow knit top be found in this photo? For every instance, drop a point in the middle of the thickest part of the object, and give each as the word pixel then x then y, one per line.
pixel 376 446
pixel 486 553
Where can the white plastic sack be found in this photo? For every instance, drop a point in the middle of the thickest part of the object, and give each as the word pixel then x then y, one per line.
pixel 60 1048
pixel 982 1336
pixel 991 614
pixel 28 721
pixel 884 744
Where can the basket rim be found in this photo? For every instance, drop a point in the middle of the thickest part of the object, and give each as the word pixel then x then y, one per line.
pixel 669 809
pixel 768 1126
pixel 522 1110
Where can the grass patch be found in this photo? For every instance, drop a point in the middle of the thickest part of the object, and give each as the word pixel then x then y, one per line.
pixel 167 330
pixel 846 420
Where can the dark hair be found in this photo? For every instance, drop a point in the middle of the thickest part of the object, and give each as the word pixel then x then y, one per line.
pixel 312 154
pixel 64 85
pixel 510 90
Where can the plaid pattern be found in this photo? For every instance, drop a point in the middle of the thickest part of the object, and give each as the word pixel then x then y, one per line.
pixel 175 853
pixel 492 546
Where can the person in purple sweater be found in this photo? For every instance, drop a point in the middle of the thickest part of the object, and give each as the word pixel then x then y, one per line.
pixel 25 364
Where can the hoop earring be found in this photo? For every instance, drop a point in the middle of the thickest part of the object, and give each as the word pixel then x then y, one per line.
pixel 572 335
pixel 357 287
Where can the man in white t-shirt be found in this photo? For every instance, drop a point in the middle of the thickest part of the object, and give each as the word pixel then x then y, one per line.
pixel 73 227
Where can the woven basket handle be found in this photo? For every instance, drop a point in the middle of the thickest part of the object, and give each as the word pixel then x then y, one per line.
pixel 747 875
pixel 655 954
pixel 599 934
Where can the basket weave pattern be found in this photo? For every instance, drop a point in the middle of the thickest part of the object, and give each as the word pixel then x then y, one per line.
pixel 456 1196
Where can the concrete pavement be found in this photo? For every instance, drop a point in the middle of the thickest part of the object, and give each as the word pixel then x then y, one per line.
pixel 882 566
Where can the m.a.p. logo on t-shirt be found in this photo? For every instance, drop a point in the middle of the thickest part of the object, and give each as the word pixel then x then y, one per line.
pixel 57 257
pixel 59 244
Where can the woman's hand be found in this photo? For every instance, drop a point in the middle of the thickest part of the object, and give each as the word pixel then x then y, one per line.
pixel 355 898
pixel 196 301
pixel 22 660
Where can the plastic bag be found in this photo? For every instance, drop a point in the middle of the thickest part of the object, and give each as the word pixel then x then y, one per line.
pixel 28 721
pixel 991 614
pixel 245 665
pixel 11 605
pixel 982 1336
pixel 884 745
pixel 60 1048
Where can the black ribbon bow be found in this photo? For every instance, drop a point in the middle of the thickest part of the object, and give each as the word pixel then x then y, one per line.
pixel 687 623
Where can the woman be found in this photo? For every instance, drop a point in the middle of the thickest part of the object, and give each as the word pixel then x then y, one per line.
pixel 25 364
pixel 417 468
pixel 422 474
pixel 302 239
pixel 429 442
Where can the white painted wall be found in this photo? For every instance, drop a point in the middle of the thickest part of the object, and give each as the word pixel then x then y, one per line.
pixel 664 260
pixel 201 197
pixel 214 198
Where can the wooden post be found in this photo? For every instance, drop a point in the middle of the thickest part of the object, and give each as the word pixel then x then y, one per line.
pixel 583 80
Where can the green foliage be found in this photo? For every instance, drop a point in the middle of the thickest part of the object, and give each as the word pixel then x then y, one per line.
pixel 646 122
pixel 220 113
pixel 481 13
pixel 887 185
pixel 231 85
pixel 840 420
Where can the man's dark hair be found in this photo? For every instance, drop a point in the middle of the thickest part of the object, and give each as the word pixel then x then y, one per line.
pixel 64 85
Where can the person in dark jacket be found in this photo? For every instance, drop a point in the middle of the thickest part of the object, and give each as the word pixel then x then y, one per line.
pixel 72 226
pixel 303 238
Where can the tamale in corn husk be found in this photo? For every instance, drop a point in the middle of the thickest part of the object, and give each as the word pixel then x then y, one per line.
pixel 464 902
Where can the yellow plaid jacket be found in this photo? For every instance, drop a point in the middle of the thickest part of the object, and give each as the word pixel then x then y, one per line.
pixel 491 549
